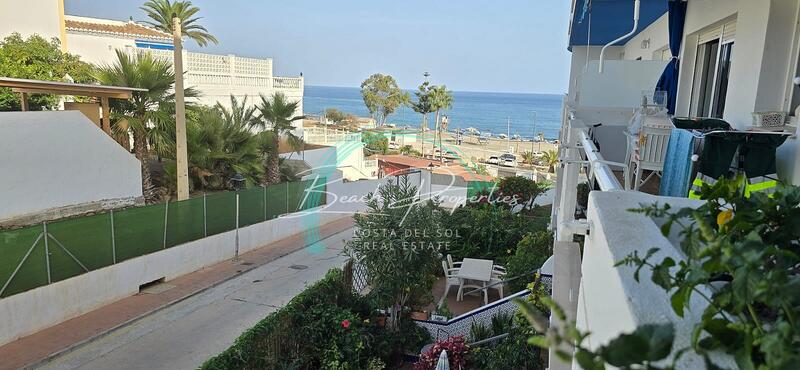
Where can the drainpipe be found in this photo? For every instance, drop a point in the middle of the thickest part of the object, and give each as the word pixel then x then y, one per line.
pixel 629 34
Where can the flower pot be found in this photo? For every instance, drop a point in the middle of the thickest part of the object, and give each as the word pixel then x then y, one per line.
pixel 419 315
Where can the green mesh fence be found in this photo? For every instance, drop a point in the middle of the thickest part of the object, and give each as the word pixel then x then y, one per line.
pixel 139 231
pixel 87 243
pixel 15 245
pixel 220 212
pixel 79 244
pixel 185 221
pixel 251 206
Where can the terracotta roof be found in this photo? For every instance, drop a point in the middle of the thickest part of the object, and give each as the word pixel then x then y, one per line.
pixel 452 169
pixel 117 28
pixel 406 160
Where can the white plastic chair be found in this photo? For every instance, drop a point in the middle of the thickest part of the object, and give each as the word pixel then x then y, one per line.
pixel 450 281
pixel 646 152
pixel 497 281
pixel 453 265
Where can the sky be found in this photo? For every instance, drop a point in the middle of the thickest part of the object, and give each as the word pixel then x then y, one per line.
pixel 468 45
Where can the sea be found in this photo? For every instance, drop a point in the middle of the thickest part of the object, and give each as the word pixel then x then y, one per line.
pixel 497 113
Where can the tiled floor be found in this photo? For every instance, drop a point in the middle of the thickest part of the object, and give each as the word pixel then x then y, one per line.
pixel 469 303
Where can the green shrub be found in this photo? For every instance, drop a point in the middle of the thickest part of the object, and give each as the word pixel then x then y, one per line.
pixel 491 232
pixel 325 326
pixel 531 252
pixel 510 353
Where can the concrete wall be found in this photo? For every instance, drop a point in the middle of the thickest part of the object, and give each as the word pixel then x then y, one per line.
pixel 60 158
pixel 37 309
pixel 656 37
pixel 611 301
pixel 39 17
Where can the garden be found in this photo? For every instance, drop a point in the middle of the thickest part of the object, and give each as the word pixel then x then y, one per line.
pixel 400 245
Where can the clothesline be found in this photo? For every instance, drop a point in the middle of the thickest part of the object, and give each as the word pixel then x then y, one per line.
pixel 700 134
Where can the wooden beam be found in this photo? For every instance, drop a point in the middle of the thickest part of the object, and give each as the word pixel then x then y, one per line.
pixel 98 94
pixel 24 101
pixel 106 120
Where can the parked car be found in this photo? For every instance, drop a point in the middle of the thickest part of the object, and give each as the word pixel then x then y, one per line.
pixel 508 160
pixel 493 160
pixel 393 145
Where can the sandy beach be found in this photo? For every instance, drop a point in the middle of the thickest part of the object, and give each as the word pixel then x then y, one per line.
pixel 472 150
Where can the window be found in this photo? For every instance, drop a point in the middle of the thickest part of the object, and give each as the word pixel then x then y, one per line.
pixel 711 71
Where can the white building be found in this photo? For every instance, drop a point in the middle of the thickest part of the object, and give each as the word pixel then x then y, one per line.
pixel 736 57
pixel 95 40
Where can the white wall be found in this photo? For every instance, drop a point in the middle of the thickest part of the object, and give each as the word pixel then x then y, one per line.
pixel 629 79
pixel 97 49
pixel 611 301
pixel 60 158
pixel 30 17
pixel 37 309
pixel 657 33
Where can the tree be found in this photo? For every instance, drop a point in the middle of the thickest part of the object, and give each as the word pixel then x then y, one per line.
pixel 275 116
pixel 528 158
pixel 162 12
pixel 220 145
pixel 382 96
pixel 37 59
pixel 550 159
pixel 440 99
pixel 336 116
pixel 398 242
pixel 374 143
pixel 240 113
pixel 423 106
pixel 147 114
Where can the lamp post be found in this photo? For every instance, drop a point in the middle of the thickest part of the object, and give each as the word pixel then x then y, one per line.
pixel 430 179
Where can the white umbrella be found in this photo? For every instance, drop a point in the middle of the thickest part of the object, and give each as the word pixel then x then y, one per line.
pixel 443 363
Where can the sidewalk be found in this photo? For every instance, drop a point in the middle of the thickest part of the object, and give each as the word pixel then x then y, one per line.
pixel 226 295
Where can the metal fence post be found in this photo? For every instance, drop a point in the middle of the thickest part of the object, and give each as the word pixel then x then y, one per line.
pixel 166 213
pixel 205 217
pixel 236 253
pixel 46 252
pixel 287 197
pixel 265 202
pixel 113 240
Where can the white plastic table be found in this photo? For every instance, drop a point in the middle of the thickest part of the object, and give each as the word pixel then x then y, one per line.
pixel 477 270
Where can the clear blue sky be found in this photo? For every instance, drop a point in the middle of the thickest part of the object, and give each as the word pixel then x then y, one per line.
pixel 469 45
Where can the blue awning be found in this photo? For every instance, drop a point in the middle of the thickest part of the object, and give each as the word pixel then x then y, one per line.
pixel 144 44
pixel 610 19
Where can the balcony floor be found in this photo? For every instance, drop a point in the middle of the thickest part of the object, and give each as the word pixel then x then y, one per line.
pixel 469 303
pixel 650 187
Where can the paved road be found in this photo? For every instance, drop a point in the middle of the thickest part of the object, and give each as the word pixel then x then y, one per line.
pixel 184 335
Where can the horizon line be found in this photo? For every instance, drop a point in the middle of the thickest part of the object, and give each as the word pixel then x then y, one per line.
pixel 463 91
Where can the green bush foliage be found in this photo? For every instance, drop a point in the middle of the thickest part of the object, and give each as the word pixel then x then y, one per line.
pixel 532 251
pixel 326 326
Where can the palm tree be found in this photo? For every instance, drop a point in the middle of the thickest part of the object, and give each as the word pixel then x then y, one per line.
pixel 219 148
pixel 275 116
pixel 550 158
pixel 440 99
pixel 162 12
pixel 148 115
pixel 528 157
pixel 239 113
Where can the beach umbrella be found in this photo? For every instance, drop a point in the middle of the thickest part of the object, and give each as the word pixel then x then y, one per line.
pixel 444 363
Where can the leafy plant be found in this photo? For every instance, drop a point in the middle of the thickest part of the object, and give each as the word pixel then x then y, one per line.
pixel 457 351
pixel 641 349
pixel 550 159
pixel 479 332
pixel 375 143
pixel 398 241
pixel 583 195
pixel 510 353
pixel 742 259
pixel 531 253
pixel 38 59
pixel 523 190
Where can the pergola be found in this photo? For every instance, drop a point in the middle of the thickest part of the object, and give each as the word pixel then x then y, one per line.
pixel 26 87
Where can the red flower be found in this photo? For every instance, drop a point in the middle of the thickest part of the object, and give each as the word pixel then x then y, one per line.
pixel 346 323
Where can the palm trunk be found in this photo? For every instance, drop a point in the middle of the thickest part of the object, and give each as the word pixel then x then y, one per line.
pixel 140 151
pixel 272 174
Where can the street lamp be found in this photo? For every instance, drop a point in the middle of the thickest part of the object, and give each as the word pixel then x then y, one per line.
pixel 237 181
pixel 430 179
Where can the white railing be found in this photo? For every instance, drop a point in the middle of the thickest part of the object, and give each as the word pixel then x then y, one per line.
pixel 287 82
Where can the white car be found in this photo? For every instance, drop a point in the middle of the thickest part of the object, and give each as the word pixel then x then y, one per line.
pixel 493 160
pixel 393 145
pixel 508 160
